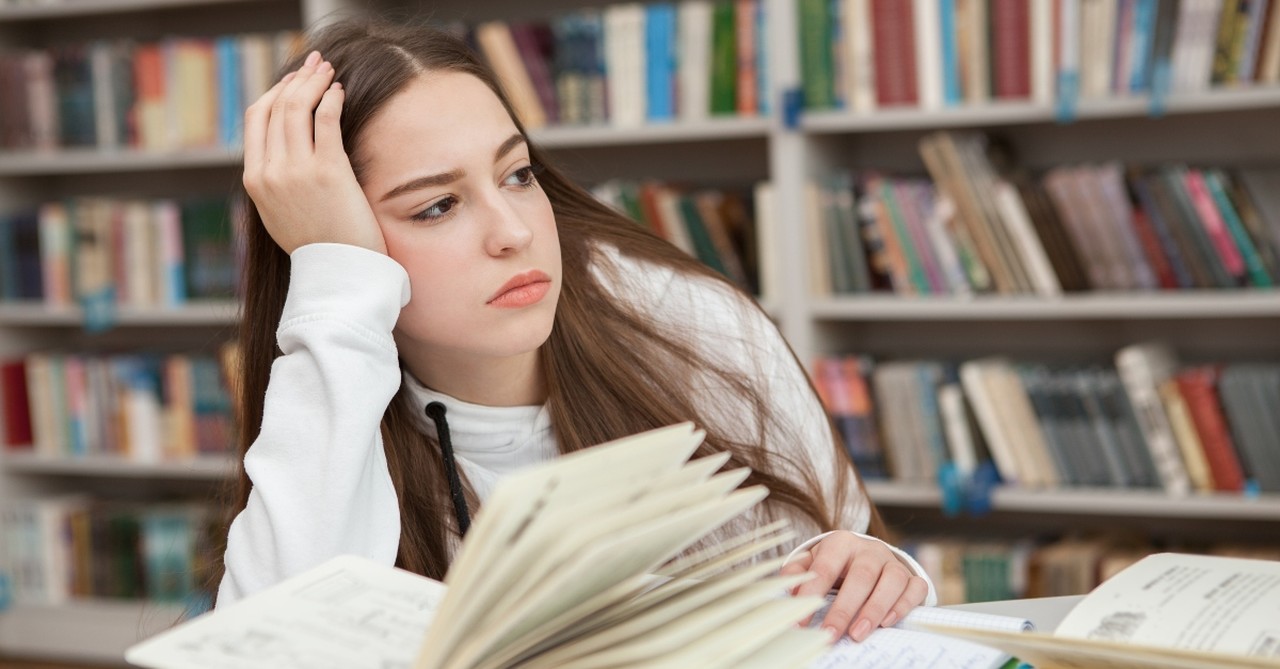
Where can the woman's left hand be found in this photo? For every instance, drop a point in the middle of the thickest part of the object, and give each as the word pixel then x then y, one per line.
pixel 876 589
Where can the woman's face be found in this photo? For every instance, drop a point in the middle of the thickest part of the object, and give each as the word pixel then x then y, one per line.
pixel 450 182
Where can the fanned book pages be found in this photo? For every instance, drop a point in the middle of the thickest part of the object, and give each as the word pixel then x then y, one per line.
pixel 579 563
pixel 1168 611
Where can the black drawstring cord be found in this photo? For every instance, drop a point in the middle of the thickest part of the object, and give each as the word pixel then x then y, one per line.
pixel 436 411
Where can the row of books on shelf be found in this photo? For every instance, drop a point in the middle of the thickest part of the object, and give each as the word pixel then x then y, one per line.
pixel 714 225
pixel 63 548
pixel 1146 423
pixel 180 92
pixel 102 252
pixel 971 229
pixel 629 63
pixel 145 408
pixel 966 570
pixel 861 55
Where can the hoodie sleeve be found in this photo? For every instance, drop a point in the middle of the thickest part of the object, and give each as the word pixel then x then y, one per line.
pixel 321 486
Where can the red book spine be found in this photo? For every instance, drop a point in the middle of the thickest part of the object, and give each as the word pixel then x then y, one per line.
pixel 894 42
pixel 1198 386
pixel 1011 43
pixel 1154 253
pixel 17 406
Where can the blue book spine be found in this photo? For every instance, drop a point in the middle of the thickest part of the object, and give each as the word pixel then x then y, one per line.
pixel 1144 29
pixel 951 95
pixel 8 260
pixel 660 28
pixel 230 93
pixel 762 59
pixel 1249 62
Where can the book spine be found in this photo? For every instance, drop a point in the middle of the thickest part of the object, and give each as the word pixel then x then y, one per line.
pixel 1254 268
pixel 1199 388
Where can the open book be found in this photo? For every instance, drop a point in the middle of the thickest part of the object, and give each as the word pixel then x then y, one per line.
pixel 577 563
pixel 1168 611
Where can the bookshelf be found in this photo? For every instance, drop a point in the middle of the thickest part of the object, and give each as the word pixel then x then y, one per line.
pixel 1229 127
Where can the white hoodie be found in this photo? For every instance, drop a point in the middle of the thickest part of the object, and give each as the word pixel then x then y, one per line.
pixel 321 486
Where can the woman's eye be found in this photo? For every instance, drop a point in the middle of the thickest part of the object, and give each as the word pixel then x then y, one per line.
pixel 523 177
pixel 437 210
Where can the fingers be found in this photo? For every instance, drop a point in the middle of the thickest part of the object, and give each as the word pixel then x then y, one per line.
pixel 913 596
pixel 328 114
pixel 300 106
pixel 862 579
pixel 892 583
pixel 290 128
pixel 828 565
pixel 255 126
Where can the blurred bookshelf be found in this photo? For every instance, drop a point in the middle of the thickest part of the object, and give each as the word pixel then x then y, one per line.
pixel 765 154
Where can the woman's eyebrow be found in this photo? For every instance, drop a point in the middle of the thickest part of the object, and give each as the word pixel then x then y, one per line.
pixel 445 178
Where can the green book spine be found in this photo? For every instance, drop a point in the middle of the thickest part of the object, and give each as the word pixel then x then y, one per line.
pixel 912 255
pixel 1256 271
pixel 702 244
pixel 816 68
pixel 724 59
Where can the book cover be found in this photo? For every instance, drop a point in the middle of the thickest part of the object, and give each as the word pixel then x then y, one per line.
pixel 724 59
pixel 894 38
pixel 1199 388
pixel 694 65
pixel 817 70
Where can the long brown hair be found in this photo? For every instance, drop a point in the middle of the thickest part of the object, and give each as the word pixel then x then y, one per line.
pixel 609 371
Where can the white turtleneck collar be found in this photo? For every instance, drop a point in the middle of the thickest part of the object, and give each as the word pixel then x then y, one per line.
pixel 488 442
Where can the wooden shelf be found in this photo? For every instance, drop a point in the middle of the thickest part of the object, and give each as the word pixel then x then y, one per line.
pixel 195 314
pixel 1118 306
pixel 58 9
pixel 203 468
pixel 1012 113
pixel 678 131
pixel 86 161
pixel 1093 502
pixel 83 631
pixel 89 160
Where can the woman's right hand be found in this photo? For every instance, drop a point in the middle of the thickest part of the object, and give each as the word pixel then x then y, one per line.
pixel 295 168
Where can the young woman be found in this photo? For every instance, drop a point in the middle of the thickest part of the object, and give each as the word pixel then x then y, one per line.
pixel 429 305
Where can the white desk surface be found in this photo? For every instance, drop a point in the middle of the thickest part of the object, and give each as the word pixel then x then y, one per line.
pixel 1045 612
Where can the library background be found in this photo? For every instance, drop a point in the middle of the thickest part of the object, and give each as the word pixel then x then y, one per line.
pixel 1029 249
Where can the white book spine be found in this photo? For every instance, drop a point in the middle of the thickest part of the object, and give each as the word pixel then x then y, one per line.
pixel 980 397
pixel 1013 213
pixel 766 236
pixel 1042 72
pixel 862 91
pixel 694 102
pixel 819 266
pixel 956 426
pixel 928 54
pixel 1142 368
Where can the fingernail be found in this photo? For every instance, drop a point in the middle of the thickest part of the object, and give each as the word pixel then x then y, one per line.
pixel 337 85
pixel 312 58
pixel 889 619
pixel 861 630
pixel 832 632
pixel 325 67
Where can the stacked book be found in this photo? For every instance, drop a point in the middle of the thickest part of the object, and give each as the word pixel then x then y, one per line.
pixel 973 229
pixel 1147 423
